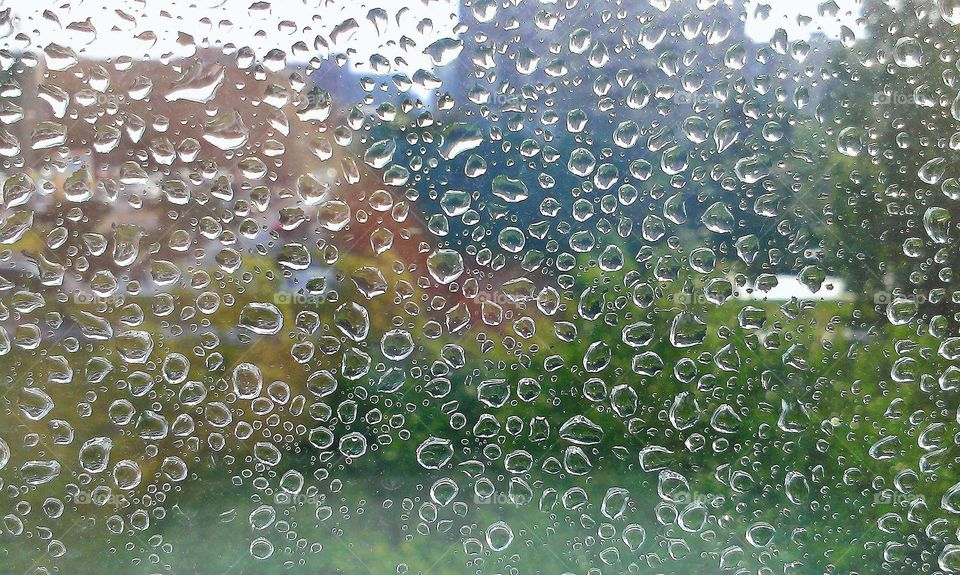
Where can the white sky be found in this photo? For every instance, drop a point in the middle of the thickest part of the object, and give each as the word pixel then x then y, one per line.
pixel 276 24
pixel 280 23
pixel 784 14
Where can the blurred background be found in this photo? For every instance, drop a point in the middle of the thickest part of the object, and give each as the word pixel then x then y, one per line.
pixel 494 287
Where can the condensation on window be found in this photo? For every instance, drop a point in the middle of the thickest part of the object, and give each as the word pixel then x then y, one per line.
pixel 479 286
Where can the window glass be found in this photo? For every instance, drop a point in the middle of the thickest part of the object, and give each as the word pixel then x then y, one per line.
pixel 479 286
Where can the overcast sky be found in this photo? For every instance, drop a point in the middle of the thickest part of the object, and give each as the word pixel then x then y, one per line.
pixel 151 29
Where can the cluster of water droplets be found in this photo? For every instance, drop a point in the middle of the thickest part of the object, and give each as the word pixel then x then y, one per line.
pixel 577 286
